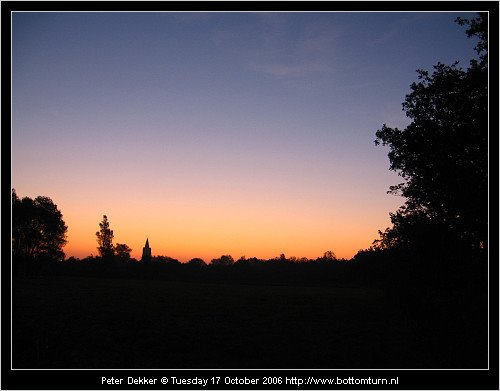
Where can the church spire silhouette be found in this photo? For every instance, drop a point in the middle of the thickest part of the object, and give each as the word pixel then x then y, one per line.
pixel 146 252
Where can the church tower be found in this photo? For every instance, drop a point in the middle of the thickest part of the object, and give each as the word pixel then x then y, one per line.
pixel 146 252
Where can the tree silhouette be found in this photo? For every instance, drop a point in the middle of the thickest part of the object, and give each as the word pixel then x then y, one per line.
pixel 197 263
pixel 329 256
pixel 38 229
pixel 162 259
pixel 224 260
pixel 442 153
pixel 122 251
pixel 105 240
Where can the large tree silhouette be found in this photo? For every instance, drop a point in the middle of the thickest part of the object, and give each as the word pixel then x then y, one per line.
pixel 38 229
pixel 105 240
pixel 442 154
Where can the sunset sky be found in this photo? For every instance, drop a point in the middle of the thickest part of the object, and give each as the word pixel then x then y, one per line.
pixel 218 133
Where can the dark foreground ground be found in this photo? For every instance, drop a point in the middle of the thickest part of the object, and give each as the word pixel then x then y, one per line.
pixel 72 322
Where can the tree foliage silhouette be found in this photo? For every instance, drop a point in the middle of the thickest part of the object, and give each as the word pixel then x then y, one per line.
pixel 442 153
pixel 224 260
pixel 38 228
pixel 197 263
pixel 105 239
pixel 329 256
pixel 122 251
pixel 164 260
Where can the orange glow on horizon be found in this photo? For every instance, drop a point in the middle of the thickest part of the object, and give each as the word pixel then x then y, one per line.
pixel 206 229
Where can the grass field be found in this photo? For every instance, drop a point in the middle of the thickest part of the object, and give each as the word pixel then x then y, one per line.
pixel 70 322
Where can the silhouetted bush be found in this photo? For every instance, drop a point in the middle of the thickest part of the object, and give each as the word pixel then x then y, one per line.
pixel 224 260
pixel 196 263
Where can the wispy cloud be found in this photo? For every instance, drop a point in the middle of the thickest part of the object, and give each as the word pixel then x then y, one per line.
pixel 284 70
pixel 282 49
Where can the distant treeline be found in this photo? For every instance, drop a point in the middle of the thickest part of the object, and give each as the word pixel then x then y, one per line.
pixel 224 268
pixel 385 268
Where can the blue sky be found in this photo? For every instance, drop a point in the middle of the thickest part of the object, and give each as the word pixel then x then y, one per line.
pixel 125 113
